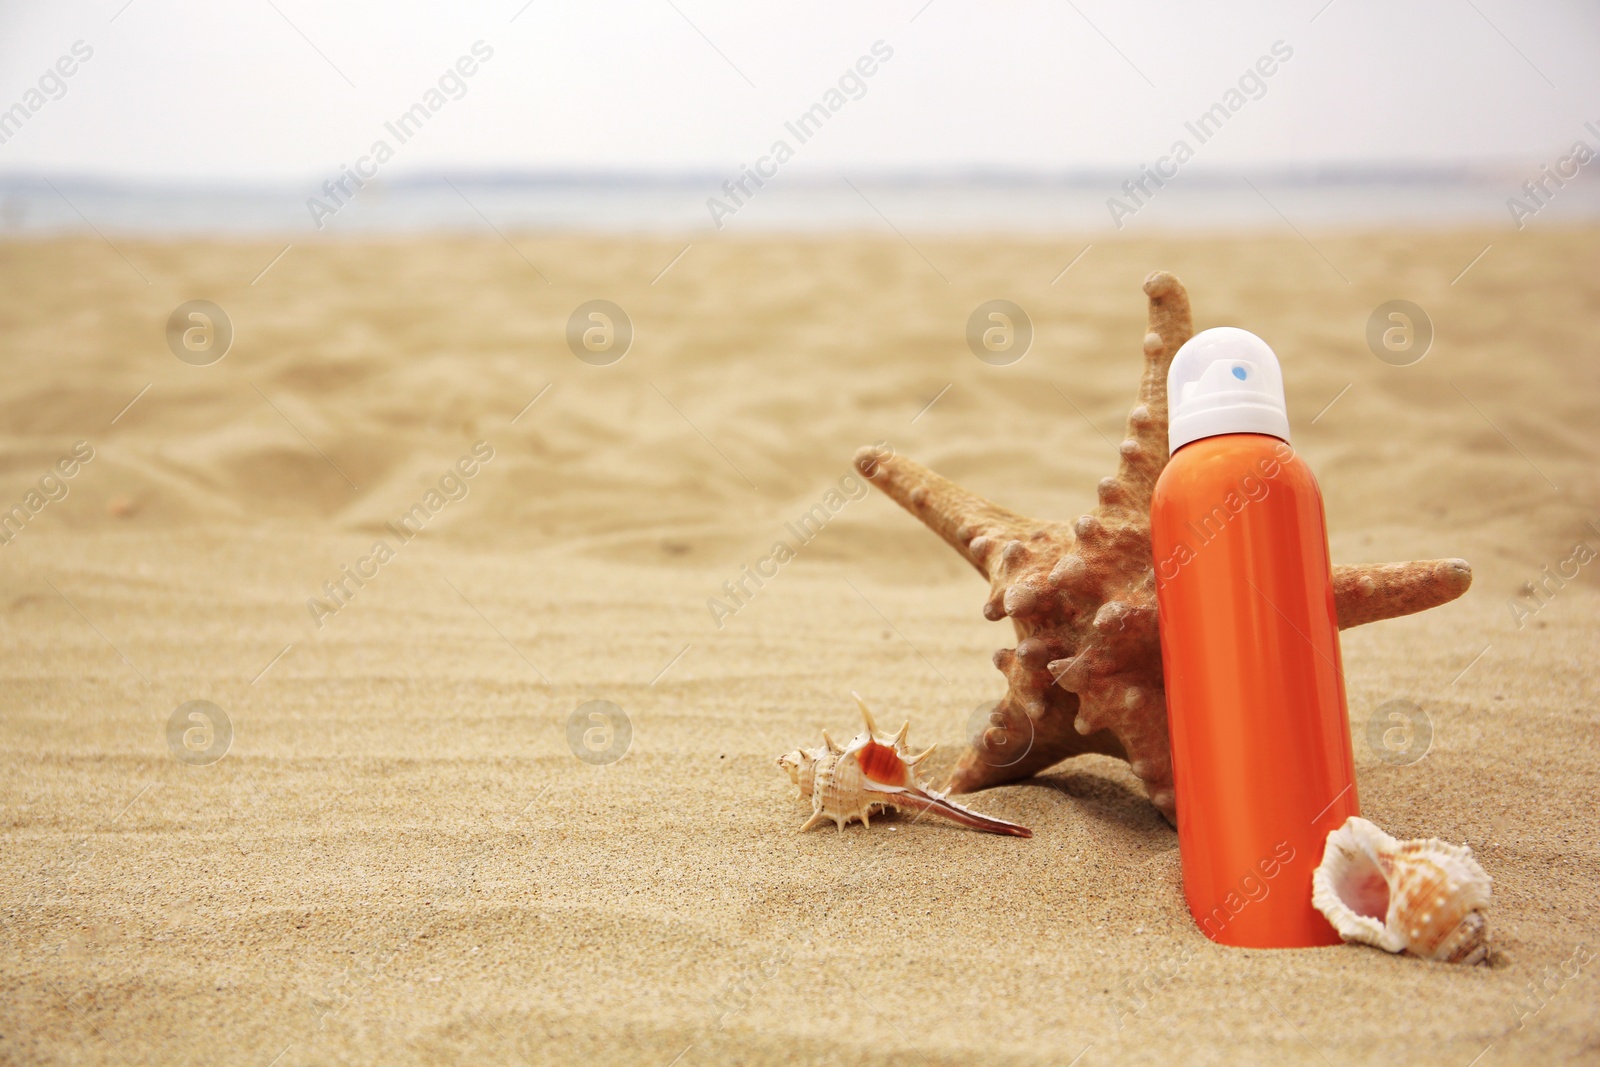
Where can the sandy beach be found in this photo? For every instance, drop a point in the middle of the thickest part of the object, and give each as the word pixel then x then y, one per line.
pixel 400 859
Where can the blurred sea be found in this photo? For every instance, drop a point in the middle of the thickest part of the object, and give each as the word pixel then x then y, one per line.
pixel 678 204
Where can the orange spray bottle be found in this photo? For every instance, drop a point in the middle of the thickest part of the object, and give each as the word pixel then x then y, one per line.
pixel 1250 648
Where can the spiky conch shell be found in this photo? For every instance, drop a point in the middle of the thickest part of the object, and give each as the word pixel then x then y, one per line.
pixel 1425 897
pixel 853 781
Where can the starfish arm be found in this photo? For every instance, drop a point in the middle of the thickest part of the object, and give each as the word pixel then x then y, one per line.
pixel 1015 745
pixel 968 523
pixel 1143 452
pixel 1369 592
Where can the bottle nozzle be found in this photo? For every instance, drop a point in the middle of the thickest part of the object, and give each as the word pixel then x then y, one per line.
pixel 1224 380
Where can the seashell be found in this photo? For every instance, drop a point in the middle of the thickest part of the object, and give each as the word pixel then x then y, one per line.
pixel 1424 897
pixel 853 781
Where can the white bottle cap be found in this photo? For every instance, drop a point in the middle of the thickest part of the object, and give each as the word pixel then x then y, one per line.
pixel 1224 380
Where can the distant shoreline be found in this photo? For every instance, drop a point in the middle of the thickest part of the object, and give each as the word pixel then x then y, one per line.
pixel 1020 204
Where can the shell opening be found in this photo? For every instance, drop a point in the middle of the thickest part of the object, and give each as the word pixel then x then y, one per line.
pixel 1364 889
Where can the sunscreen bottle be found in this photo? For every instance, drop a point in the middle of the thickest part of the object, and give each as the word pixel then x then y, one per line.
pixel 1261 756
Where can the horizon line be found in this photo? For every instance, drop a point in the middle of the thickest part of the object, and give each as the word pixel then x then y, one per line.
pixel 1464 172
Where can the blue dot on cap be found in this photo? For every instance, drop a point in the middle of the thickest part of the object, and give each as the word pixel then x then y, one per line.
pixel 1239 373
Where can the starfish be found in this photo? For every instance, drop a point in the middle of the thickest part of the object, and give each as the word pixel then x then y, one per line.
pixel 1085 675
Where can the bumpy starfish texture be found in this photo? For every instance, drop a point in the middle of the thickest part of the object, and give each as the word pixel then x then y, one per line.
pixel 1085 675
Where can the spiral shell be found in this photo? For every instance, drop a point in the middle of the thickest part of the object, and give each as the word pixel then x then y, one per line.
pixel 854 781
pixel 1425 897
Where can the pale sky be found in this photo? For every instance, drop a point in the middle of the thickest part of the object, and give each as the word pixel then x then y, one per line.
pixel 283 90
